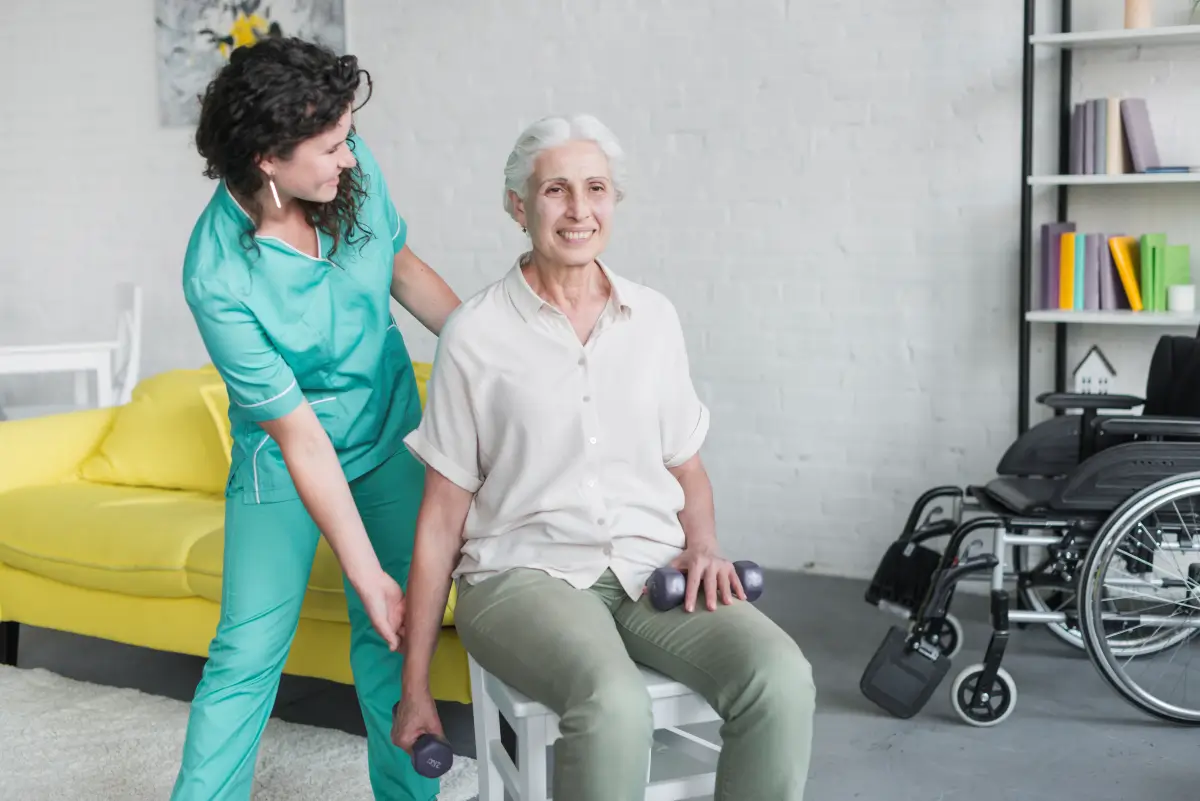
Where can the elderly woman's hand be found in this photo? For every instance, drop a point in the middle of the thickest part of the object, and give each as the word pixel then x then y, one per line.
pixel 720 579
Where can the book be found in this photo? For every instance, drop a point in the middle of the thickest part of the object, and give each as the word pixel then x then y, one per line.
pixel 1077 283
pixel 1135 119
pixel 1117 151
pixel 1111 297
pixel 1076 150
pixel 1125 254
pixel 1066 270
pixel 1091 271
pixel 1089 138
pixel 1099 136
pixel 1154 291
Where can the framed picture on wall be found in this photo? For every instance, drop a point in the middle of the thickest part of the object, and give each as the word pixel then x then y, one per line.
pixel 195 38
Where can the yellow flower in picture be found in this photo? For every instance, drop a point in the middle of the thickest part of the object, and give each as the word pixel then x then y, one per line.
pixel 248 27
pixel 245 31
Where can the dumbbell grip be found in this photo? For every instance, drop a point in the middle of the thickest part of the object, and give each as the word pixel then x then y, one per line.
pixel 667 585
pixel 420 759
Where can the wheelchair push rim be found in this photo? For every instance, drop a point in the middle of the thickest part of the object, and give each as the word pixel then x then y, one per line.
pixel 1148 539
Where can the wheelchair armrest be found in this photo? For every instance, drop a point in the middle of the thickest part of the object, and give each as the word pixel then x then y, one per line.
pixel 1083 400
pixel 1151 426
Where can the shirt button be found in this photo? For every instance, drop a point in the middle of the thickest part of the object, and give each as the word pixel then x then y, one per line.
pixel 600 521
pixel 592 440
pixel 582 361
pixel 587 398
pixel 591 482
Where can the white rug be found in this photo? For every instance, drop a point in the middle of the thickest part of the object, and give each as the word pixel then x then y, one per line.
pixel 65 739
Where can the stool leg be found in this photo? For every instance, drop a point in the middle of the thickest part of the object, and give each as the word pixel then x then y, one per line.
pixel 487 737
pixel 531 759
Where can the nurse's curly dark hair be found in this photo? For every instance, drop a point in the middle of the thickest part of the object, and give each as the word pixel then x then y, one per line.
pixel 270 97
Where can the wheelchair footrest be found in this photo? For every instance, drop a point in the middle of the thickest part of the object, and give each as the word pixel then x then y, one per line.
pixel 900 678
pixel 904 575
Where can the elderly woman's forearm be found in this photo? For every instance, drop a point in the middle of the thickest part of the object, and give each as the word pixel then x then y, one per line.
pixel 428 592
pixel 435 555
pixel 698 516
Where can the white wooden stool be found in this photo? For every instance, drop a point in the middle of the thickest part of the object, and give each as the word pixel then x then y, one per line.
pixel 536 727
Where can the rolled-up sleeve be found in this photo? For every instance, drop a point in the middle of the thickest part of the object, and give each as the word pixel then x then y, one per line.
pixel 259 381
pixel 447 438
pixel 683 418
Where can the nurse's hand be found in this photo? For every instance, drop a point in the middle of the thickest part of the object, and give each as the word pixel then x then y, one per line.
pixel 383 601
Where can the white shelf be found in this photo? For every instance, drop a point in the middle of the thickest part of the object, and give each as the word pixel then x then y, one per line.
pixel 1120 178
pixel 1120 37
pixel 1114 317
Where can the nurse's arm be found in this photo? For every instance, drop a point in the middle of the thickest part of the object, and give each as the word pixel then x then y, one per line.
pixel 439 538
pixel 317 473
pixel 421 291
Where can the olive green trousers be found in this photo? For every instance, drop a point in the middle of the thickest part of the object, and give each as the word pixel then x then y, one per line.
pixel 575 651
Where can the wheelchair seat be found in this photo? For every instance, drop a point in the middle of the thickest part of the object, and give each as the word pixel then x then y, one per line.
pixel 1150 451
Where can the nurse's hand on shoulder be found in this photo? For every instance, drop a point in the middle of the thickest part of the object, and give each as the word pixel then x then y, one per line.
pixel 383 601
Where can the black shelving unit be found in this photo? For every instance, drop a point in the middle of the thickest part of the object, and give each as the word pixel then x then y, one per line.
pixel 1066 40
pixel 1025 346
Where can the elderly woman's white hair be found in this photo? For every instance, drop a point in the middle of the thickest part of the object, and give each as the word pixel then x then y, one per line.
pixel 550 132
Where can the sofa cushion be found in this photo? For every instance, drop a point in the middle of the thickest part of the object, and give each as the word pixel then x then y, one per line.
pixel 163 438
pixel 325 598
pixel 216 400
pixel 422 372
pixel 121 539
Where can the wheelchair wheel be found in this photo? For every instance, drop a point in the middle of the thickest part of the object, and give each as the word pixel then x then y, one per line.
pixel 993 705
pixel 1142 574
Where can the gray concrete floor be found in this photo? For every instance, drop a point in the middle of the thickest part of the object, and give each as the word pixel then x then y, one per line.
pixel 1070 736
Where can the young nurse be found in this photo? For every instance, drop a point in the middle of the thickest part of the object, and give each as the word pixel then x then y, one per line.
pixel 289 272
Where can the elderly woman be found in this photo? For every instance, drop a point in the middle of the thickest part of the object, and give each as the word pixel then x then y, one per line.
pixel 560 438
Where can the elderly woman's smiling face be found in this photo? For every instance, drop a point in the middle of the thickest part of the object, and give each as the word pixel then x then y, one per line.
pixel 569 203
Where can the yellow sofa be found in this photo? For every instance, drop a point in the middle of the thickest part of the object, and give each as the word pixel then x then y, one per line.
pixel 111 526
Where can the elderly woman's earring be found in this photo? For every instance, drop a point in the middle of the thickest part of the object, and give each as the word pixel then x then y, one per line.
pixel 275 193
pixel 523 230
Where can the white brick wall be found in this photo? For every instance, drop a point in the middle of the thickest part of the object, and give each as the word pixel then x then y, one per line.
pixel 828 190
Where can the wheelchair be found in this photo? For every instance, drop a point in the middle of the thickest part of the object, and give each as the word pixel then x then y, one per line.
pixel 1101 515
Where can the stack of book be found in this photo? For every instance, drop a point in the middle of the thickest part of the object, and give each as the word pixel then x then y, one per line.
pixel 1098 271
pixel 1111 136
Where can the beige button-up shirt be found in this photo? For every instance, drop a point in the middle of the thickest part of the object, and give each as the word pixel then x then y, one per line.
pixel 566 446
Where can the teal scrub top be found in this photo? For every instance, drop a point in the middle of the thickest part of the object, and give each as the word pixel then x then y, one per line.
pixel 282 327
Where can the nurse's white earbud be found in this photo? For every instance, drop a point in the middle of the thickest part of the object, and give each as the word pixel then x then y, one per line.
pixel 274 193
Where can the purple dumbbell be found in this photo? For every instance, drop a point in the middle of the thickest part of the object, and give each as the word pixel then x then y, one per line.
pixel 667 585
pixel 432 756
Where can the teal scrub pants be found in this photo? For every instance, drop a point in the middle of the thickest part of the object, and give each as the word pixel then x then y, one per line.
pixel 269 550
